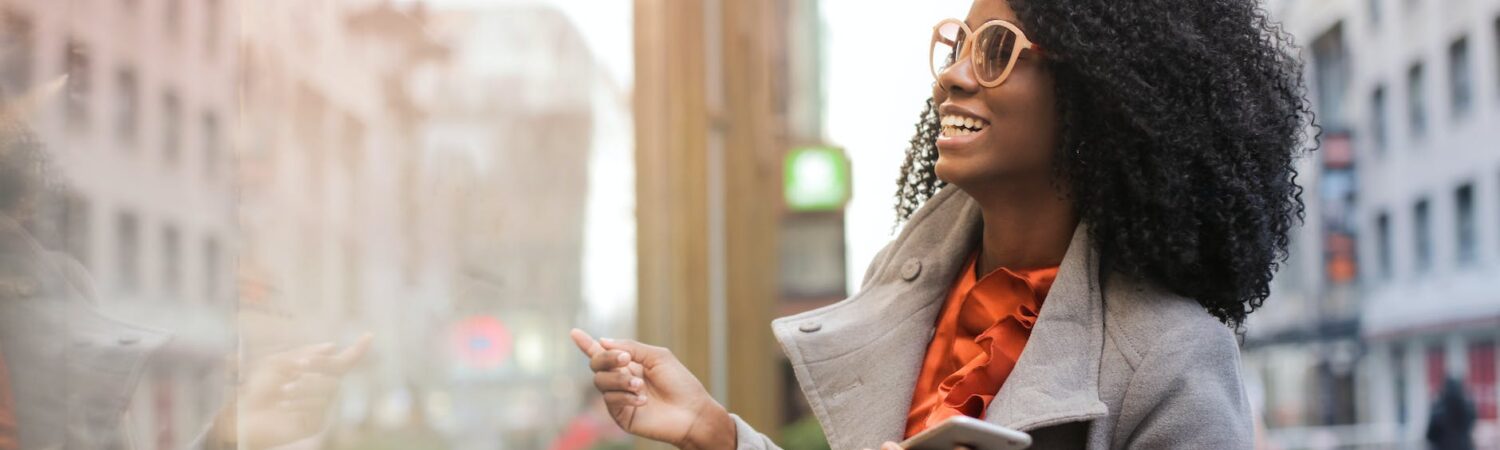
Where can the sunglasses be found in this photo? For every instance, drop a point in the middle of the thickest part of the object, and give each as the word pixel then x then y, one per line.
pixel 994 48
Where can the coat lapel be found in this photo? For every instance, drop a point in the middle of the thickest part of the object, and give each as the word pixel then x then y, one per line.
pixel 1056 380
pixel 857 361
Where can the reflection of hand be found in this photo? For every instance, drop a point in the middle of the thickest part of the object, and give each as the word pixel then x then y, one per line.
pixel 652 395
pixel 285 397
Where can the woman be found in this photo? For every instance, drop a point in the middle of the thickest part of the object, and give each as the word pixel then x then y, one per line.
pixel 1098 192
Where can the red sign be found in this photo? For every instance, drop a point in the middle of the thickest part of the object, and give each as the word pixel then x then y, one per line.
pixel 481 342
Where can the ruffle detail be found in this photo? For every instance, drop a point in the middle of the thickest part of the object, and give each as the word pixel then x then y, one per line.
pixel 1008 302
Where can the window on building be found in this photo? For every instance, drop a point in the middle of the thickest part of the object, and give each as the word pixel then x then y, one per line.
pixel 75 228
pixel 171 127
pixel 354 142
pixel 211 275
pixel 1435 364
pixel 128 252
pixel 1398 372
pixel 1460 82
pixel 76 64
pixel 1481 379
pixel 1378 119
pixel 171 262
pixel 1423 238
pixel 211 144
pixel 15 53
pixel 127 106
pixel 1383 245
pixel 1468 249
pixel 1331 69
pixel 1416 103
pixel 172 18
pixel 212 19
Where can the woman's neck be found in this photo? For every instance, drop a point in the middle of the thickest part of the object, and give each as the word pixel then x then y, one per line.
pixel 1024 227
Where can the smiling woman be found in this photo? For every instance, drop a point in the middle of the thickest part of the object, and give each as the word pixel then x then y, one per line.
pixel 1096 194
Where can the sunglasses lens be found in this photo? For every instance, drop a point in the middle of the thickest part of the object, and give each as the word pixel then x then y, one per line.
pixel 992 52
pixel 946 40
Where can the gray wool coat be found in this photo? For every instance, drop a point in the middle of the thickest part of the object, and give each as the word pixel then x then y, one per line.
pixel 1112 362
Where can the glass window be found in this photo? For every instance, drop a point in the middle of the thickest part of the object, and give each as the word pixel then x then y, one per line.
pixel 1460 85
pixel 1423 236
pixel 1330 64
pixel 212 10
pixel 171 127
pixel 15 53
pixel 76 64
pixel 1378 119
pixel 127 252
pixel 1416 103
pixel 171 264
pixel 1383 245
pixel 212 147
pixel 1468 249
pixel 127 106
pixel 211 269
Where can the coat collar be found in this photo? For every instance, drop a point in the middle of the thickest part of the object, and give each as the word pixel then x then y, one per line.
pixel 858 360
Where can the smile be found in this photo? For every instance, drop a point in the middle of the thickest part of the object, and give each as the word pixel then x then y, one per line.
pixel 955 125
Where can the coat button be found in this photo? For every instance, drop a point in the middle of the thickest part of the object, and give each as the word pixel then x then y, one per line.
pixel 911 269
pixel 810 327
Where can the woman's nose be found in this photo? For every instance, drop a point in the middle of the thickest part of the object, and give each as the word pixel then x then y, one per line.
pixel 956 79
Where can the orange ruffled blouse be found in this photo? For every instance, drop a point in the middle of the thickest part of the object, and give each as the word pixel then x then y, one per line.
pixel 983 328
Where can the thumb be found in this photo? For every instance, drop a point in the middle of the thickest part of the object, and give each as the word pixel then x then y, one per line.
pixel 647 355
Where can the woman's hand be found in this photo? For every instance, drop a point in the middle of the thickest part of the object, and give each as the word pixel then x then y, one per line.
pixel 652 395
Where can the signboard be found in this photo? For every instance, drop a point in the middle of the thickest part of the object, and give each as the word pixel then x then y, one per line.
pixel 816 179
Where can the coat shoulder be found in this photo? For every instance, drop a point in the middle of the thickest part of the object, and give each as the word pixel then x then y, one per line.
pixel 1142 316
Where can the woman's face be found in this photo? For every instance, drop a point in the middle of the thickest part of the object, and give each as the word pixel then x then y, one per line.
pixel 1018 117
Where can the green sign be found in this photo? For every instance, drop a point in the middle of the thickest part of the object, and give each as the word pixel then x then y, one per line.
pixel 816 179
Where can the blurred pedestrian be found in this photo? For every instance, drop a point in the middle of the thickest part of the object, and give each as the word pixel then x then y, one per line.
pixel 1451 424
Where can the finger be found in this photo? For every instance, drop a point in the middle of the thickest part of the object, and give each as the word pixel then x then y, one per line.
pixel 616 381
pixel 585 343
pixel 304 405
pixel 888 445
pixel 634 369
pixel 618 399
pixel 647 355
pixel 345 360
pixel 311 385
pixel 609 360
pixel 292 360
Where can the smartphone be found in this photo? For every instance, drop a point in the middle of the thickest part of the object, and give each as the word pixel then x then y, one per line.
pixel 969 432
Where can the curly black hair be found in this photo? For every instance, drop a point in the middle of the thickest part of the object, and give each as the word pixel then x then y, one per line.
pixel 1181 122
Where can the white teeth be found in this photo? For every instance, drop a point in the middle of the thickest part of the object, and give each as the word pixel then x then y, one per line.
pixel 954 125
pixel 960 121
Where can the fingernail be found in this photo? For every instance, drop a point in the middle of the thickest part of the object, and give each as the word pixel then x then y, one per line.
pixel 624 357
pixel 640 400
pixel 635 382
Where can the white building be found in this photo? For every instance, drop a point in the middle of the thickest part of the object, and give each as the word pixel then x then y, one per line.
pixel 140 142
pixel 1410 90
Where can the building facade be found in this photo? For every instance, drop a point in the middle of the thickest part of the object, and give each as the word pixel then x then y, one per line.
pixel 1391 286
